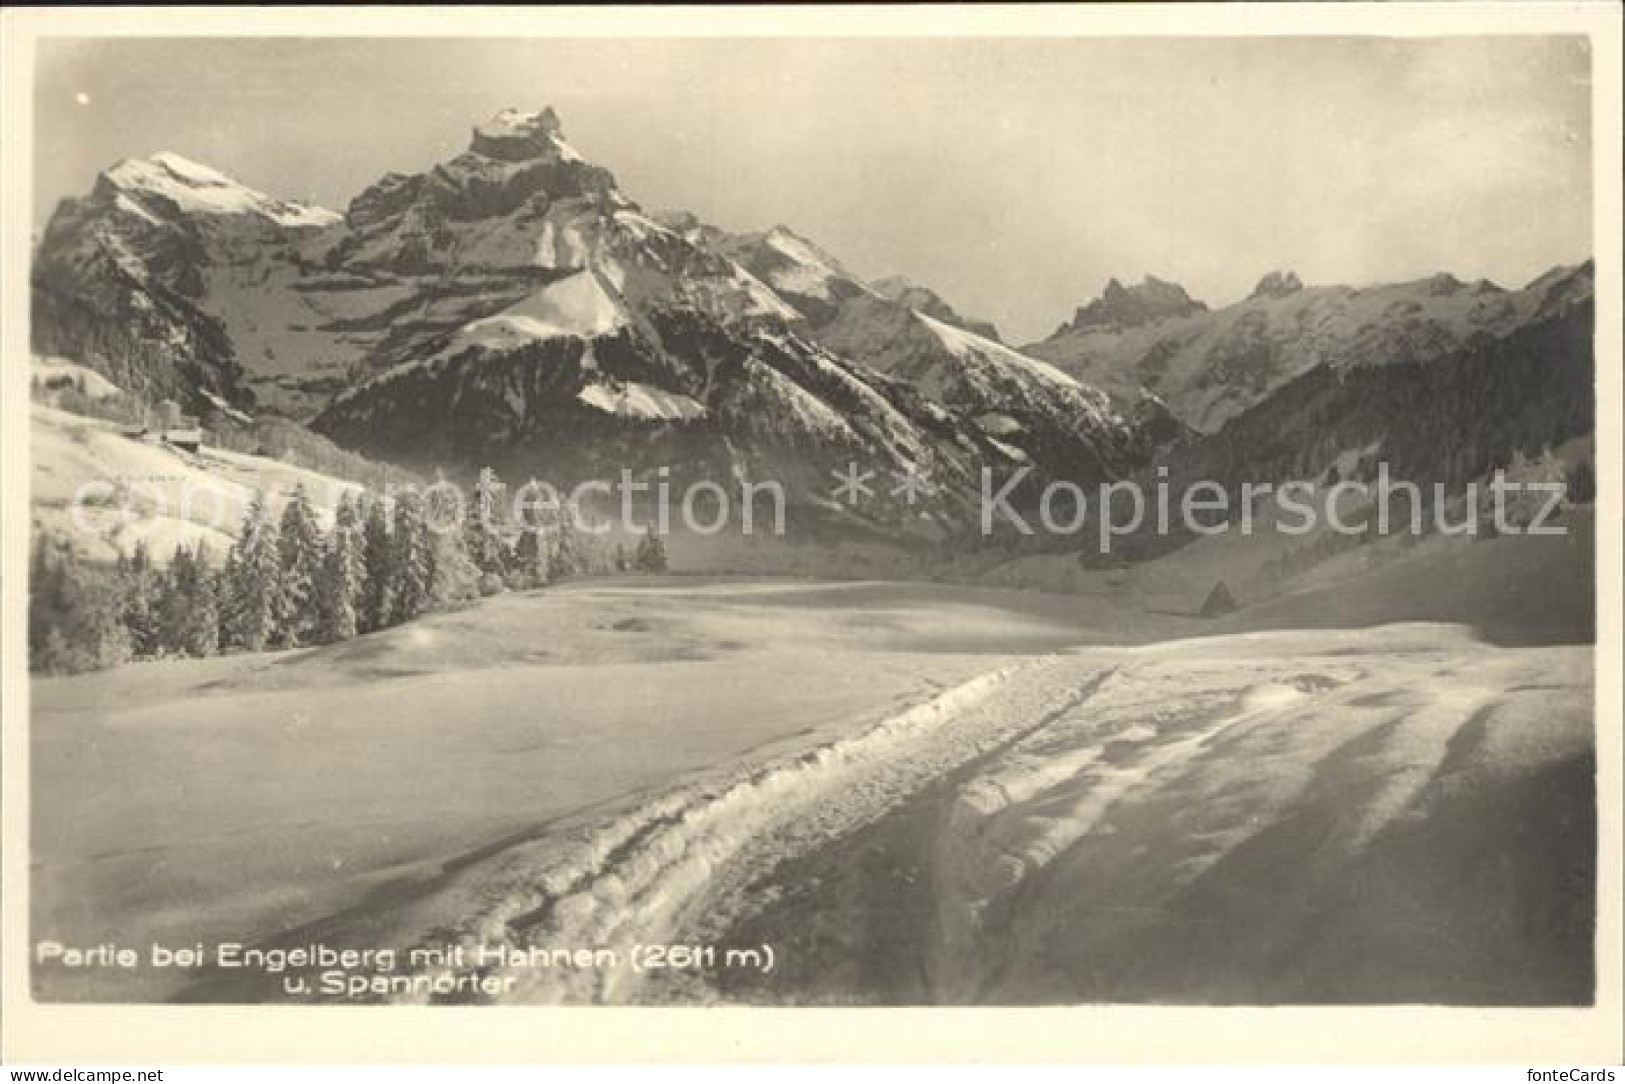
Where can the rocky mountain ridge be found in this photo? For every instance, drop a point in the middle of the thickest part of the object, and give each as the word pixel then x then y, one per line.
pixel 1207 366
pixel 513 307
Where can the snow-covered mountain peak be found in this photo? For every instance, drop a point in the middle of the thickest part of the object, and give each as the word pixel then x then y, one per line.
pixel 516 136
pixel 516 122
pixel 923 299
pixel 511 307
pixel 802 251
pixel 796 267
pixel 194 188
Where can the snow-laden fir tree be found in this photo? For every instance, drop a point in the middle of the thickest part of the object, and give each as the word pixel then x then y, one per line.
pixel 178 583
pixel 378 561
pixel 341 581
pixel 141 585
pixel 201 633
pixel 455 575
pixel 536 522
pixel 651 553
pixel 253 584
pixel 530 559
pixel 187 616
pixel 567 555
pixel 300 552
pixel 485 530
pixel 412 564
pixel 226 599
pixel 74 613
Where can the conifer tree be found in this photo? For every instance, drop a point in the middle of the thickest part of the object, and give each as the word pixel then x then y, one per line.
pixel 566 555
pixel 300 558
pixel 350 518
pixel 455 574
pixel 378 560
pixel 484 534
pixel 254 592
pixel 74 613
pixel 228 619
pixel 1580 483
pixel 530 559
pixel 179 584
pixel 140 586
pixel 200 633
pixel 412 566
pixel 651 553
pixel 340 581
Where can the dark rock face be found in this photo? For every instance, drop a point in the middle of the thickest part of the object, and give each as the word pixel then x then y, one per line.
pixel 119 285
pixel 392 194
pixel 1561 289
pixel 148 340
pixel 1119 306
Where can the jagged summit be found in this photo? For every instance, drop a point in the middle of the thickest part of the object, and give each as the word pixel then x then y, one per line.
pixel 1444 284
pixel 193 188
pixel 516 136
pixel 795 267
pixel 924 299
pixel 1122 306
pixel 511 306
pixel 1277 284
pixel 796 247
pixel 515 160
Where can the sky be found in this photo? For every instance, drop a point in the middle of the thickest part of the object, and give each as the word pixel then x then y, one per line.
pixel 1013 175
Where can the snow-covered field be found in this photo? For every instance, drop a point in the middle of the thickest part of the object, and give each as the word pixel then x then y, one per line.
pixel 243 796
pixel 913 792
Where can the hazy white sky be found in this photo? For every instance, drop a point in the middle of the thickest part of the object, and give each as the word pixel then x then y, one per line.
pixel 1013 175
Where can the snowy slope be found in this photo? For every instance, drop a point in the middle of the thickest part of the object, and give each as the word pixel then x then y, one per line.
pixel 271 839
pixel 57 373
pixel 1117 823
pixel 577 305
pixel 642 401
pixel 105 492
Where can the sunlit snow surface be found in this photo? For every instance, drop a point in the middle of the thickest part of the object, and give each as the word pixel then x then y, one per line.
pixel 197 188
pixel 642 402
pixel 54 371
pixel 654 758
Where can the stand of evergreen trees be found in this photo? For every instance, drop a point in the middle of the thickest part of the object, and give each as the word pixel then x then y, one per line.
pixel 286 582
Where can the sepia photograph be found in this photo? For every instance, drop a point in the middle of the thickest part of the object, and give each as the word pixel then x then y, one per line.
pixel 748 520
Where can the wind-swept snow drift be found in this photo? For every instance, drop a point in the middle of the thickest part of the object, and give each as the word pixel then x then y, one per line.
pixel 633 878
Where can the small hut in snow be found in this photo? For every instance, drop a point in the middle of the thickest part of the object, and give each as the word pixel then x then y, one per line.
pixel 167 423
pixel 1219 602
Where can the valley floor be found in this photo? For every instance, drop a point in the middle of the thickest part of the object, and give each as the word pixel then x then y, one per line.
pixel 912 792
